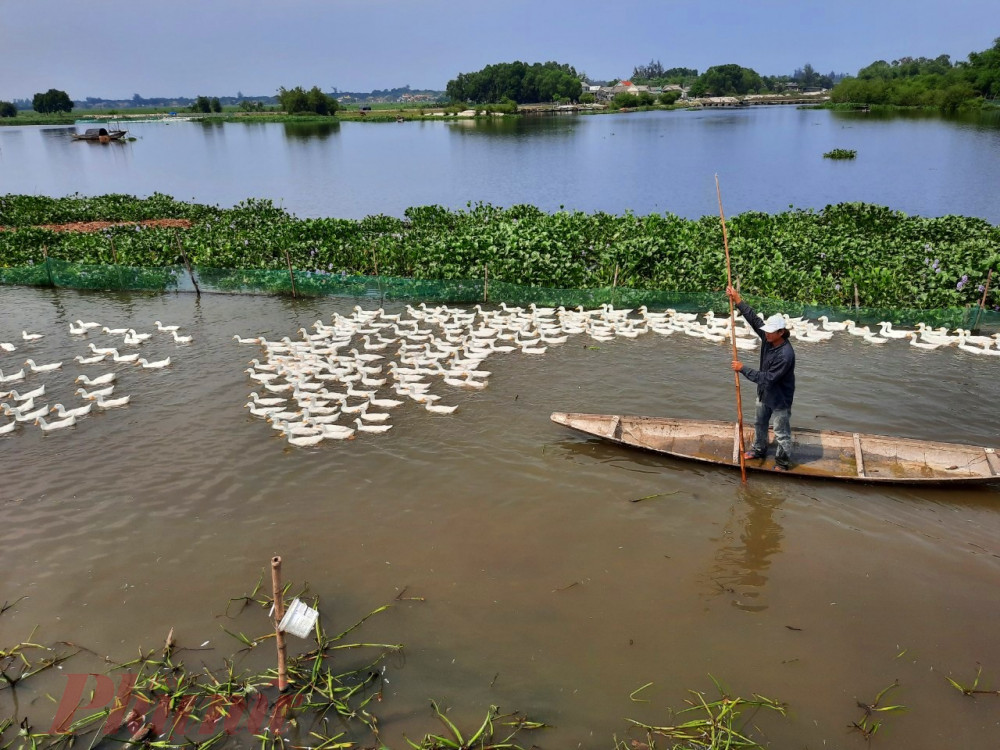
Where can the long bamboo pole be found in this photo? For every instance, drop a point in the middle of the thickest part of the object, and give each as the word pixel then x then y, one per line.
pixel 732 333
pixel 279 612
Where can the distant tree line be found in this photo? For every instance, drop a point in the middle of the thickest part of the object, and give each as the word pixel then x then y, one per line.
pixel 925 82
pixel 518 82
pixel 8 109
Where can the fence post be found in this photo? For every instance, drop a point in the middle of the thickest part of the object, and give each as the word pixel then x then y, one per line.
pixel 857 304
pixel 48 268
pixel 486 282
pixel 982 302
pixel 291 275
pixel 187 265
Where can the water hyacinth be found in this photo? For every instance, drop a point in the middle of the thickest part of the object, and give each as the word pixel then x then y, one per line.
pixel 870 246
pixel 964 280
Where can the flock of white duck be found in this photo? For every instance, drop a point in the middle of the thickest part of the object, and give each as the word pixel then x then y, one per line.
pixel 21 393
pixel 346 377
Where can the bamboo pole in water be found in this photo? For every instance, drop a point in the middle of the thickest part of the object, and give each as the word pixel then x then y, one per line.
pixel 982 302
pixel 279 612
pixel 187 265
pixel 291 275
pixel 732 334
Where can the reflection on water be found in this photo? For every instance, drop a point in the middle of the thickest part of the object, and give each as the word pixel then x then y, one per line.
pixel 576 570
pixel 750 538
pixel 307 130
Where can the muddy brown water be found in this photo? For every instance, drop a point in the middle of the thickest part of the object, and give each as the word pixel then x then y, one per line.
pixel 545 588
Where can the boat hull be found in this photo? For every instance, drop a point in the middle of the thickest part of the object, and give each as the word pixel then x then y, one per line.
pixel 823 454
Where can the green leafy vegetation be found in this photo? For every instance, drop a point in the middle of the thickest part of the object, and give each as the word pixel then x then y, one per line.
pixel 206 105
pixel 726 80
pixel 518 82
pixel 314 101
pixel 840 153
pixel 52 100
pixel 925 82
pixel 7 109
pixel 804 256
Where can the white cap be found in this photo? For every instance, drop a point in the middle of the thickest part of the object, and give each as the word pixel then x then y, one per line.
pixel 774 324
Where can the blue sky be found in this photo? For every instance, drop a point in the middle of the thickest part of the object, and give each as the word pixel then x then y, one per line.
pixel 220 47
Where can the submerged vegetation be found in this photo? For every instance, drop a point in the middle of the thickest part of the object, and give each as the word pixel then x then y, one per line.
pixel 806 256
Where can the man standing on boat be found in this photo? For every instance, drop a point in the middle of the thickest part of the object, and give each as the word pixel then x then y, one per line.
pixel 775 381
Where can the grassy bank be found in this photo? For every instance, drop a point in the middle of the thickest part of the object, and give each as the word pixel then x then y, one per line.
pixel 812 257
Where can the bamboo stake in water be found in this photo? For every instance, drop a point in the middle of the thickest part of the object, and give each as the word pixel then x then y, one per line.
pixel 279 612
pixel 48 268
pixel 982 302
pixel 291 275
pixel 187 265
pixel 732 334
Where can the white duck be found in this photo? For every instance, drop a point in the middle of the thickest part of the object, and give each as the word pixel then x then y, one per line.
pixel 305 441
pixel 111 403
pixel 31 336
pixel 159 364
pixel 104 379
pixel 90 360
pixel 124 357
pixel 181 339
pixel 7 347
pixel 89 325
pixel 77 331
pixel 926 345
pixel 19 375
pixel 31 416
pixel 255 397
pixel 8 428
pixel 372 428
pixel 80 411
pixel 39 391
pixel 100 393
pixel 58 425
pixel 104 351
pixel 436 409
pixel 114 331
pixel 42 368
pixel 168 329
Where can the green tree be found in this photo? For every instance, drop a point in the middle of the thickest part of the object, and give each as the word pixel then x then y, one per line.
pixel 215 105
pixel 7 109
pixel 517 81
pixel 201 104
pixel 52 100
pixel 300 101
pixel 727 80
pixel 669 97
pixel 587 98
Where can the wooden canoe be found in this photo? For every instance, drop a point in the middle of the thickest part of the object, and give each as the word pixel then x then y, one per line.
pixel 825 454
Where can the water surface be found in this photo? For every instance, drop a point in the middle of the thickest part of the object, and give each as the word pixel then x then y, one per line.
pixel 545 587
pixel 767 159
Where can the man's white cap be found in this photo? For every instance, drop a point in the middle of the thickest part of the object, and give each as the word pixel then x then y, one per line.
pixel 775 323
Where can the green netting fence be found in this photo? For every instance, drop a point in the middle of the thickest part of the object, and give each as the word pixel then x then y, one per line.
pixel 117 278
